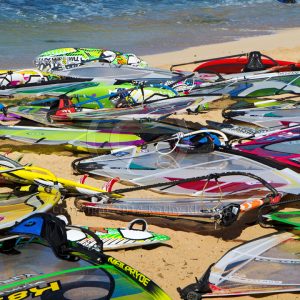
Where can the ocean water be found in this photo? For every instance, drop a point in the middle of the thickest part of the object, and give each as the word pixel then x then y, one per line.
pixel 138 26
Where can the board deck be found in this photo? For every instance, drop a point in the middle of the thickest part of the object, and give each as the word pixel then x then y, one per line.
pixel 77 139
pixel 121 238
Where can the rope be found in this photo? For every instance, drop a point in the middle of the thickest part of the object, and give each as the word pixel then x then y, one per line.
pixel 180 135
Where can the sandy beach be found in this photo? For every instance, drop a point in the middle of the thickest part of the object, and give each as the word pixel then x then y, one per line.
pixel 188 254
pixel 284 44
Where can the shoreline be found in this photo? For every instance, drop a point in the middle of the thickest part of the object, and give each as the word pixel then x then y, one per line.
pixel 266 43
pixel 281 44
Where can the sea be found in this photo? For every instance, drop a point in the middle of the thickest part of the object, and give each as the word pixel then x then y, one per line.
pixel 138 26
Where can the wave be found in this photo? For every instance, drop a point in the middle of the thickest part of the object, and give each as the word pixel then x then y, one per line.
pixel 71 10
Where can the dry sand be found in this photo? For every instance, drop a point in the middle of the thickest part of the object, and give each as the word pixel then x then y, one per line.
pixel 284 44
pixel 188 254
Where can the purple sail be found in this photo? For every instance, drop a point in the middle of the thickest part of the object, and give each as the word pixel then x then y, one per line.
pixel 9 117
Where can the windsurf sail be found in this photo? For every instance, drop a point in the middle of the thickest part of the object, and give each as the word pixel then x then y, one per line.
pixel 157 164
pixel 282 219
pixel 46 88
pixel 267 265
pixel 13 78
pixel 24 201
pixel 109 96
pixel 216 207
pixel 110 73
pixel 271 117
pixel 148 111
pixel 64 269
pixel 13 172
pixel 254 85
pixel 153 110
pixel 283 146
pixel 82 140
pixel 122 95
pixel 241 131
pixel 217 211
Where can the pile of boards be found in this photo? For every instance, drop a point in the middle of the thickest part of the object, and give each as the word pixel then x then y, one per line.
pixel 157 130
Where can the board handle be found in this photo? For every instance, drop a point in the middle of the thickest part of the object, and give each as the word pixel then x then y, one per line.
pixel 135 222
